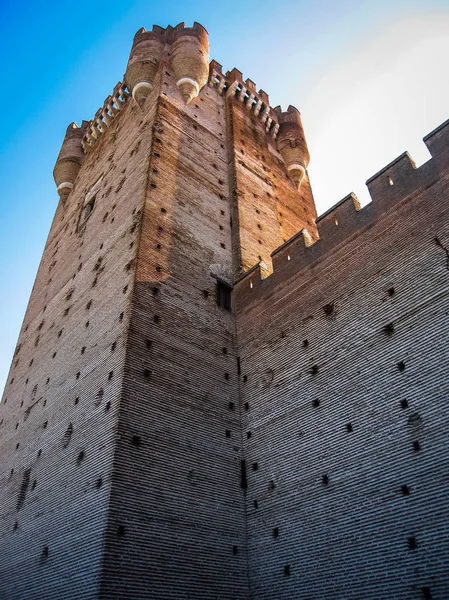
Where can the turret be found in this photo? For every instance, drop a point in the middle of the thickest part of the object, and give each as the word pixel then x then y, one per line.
pixel 143 62
pixel 292 144
pixel 70 159
pixel 190 59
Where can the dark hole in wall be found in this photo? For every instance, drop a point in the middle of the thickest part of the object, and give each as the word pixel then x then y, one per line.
pixel 136 441
pixel 416 446
pixel 99 483
pixel 305 343
pixel 246 406
pixel 287 570
pixel 99 397
pixel 405 490
pixel 329 309
pixel 349 427
pixel 147 373
pixel 227 433
pixel 231 406
pixel 80 457
pixel 45 552
pixel 245 378
pixel 255 466
pixel 325 479
pixel 248 435
pixel 391 291
pixel 412 544
pixel 121 530
pixel 401 366
pixel 404 403
pixel 223 292
pixel 426 594
pixel 67 436
pixel 107 406
pixel 23 488
pixel 315 403
pixel 389 328
pixel 314 370
pixel 276 532
pixel 256 504
pixel 243 479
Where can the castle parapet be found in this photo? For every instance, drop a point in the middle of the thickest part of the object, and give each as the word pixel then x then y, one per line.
pixel 70 159
pixel 104 116
pixel 397 184
pixel 232 85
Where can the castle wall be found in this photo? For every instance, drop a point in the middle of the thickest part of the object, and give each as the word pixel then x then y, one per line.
pixel 344 387
pixel 58 416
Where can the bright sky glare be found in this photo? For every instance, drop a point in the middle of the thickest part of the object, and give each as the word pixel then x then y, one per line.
pixel 370 80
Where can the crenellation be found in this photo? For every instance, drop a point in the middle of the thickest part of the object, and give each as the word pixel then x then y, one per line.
pixel 395 184
pixel 437 143
pixel 104 116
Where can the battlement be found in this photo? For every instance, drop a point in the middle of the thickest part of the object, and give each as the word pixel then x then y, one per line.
pixel 105 115
pixel 169 34
pixel 398 182
pixel 232 84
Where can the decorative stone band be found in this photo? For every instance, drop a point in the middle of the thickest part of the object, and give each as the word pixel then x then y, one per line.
pixel 250 99
pixel 142 85
pixel 63 186
pixel 105 115
pixel 188 80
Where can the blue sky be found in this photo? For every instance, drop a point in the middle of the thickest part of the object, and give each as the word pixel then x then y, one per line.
pixel 370 79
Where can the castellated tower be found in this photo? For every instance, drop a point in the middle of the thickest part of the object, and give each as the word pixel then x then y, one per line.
pixel 217 395
pixel 122 466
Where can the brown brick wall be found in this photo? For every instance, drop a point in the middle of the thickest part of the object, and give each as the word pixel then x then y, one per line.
pixel 62 397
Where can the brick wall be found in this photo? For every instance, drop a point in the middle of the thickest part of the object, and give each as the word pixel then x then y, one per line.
pixel 59 411
pixel 345 382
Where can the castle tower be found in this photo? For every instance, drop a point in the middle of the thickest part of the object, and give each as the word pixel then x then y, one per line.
pixel 122 467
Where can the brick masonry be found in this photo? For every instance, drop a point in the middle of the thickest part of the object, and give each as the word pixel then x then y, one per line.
pixel 155 445
pixel 344 369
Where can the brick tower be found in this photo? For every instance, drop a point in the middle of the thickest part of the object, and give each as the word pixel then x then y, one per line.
pixel 215 394
pixel 123 474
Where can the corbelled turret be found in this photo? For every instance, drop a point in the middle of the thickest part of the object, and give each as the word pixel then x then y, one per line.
pixel 190 59
pixel 70 159
pixel 292 143
pixel 143 62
